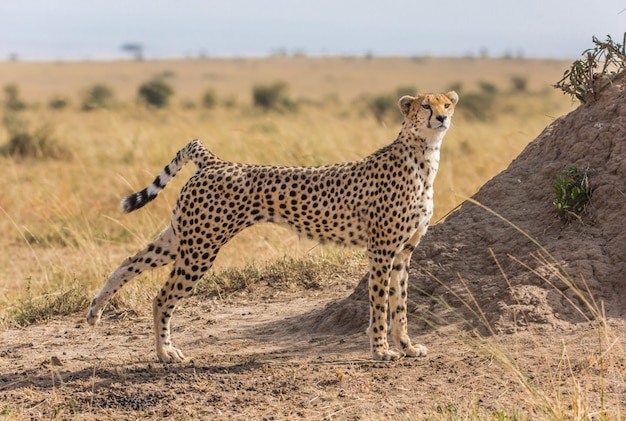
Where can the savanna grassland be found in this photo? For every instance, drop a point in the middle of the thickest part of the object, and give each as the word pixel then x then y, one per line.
pixel 60 220
pixel 63 233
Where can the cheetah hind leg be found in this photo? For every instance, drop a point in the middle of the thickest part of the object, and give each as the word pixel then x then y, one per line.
pixel 180 284
pixel 158 253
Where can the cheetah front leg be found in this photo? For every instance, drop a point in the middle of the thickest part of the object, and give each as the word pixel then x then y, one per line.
pixel 158 253
pixel 379 277
pixel 398 293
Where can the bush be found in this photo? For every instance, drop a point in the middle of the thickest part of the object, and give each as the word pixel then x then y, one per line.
pixel 488 88
pixel 12 100
pixel 209 99
pixel 386 105
pixel 97 96
pixel 477 106
pixel 155 92
pixel 26 143
pixel 58 103
pixel 597 70
pixel 519 83
pixel 381 105
pixel 272 97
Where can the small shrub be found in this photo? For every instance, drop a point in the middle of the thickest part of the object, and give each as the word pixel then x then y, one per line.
pixel 519 83
pixel 35 144
pixel 382 105
pixel 155 92
pixel 272 97
pixel 58 103
pixel 209 99
pixel 12 99
pixel 588 76
pixel 386 105
pixel 97 96
pixel 488 88
pixel 572 191
pixel 477 106
pixel 26 143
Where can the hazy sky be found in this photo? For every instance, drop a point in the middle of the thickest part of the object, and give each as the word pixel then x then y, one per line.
pixel 96 29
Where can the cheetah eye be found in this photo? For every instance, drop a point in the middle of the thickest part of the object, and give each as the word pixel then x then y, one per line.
pixel 426 106
pixel 447 105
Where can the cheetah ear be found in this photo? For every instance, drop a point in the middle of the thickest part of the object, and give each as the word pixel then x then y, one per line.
pixel 405 104
pixel 453 96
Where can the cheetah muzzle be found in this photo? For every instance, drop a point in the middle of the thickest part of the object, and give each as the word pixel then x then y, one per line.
pixel 383 202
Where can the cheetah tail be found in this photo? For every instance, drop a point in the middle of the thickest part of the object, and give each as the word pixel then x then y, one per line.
pixel 194 151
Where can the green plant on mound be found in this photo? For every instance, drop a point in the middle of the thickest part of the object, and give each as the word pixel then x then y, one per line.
pixel 599 67
pixel 155 92
pixel 572 192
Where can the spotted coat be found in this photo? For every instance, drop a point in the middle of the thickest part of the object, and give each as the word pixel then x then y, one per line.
pixel 383 202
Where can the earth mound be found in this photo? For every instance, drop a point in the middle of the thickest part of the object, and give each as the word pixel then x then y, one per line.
pixel 479 268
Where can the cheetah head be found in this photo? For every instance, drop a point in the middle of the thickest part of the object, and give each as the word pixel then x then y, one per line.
pixel 428 112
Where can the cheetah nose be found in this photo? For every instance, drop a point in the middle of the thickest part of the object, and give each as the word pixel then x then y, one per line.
pixel 441 118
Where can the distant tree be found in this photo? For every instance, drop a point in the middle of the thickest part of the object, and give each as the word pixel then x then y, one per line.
pixel 135 49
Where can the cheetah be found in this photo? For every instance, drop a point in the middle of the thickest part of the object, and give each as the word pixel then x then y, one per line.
pixel 383 203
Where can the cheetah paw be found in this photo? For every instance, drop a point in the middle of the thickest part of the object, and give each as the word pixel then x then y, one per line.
pixel 387 355
pixel 170 355
pixel 93 319
pixel 416 351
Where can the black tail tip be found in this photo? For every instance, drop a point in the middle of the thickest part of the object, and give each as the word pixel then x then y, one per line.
pixel 135 201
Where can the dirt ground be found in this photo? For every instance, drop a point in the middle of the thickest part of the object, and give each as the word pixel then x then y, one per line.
pixel 248 357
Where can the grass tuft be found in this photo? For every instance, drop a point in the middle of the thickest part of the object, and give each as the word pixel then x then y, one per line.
pixel 308 272
pixel 57 302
